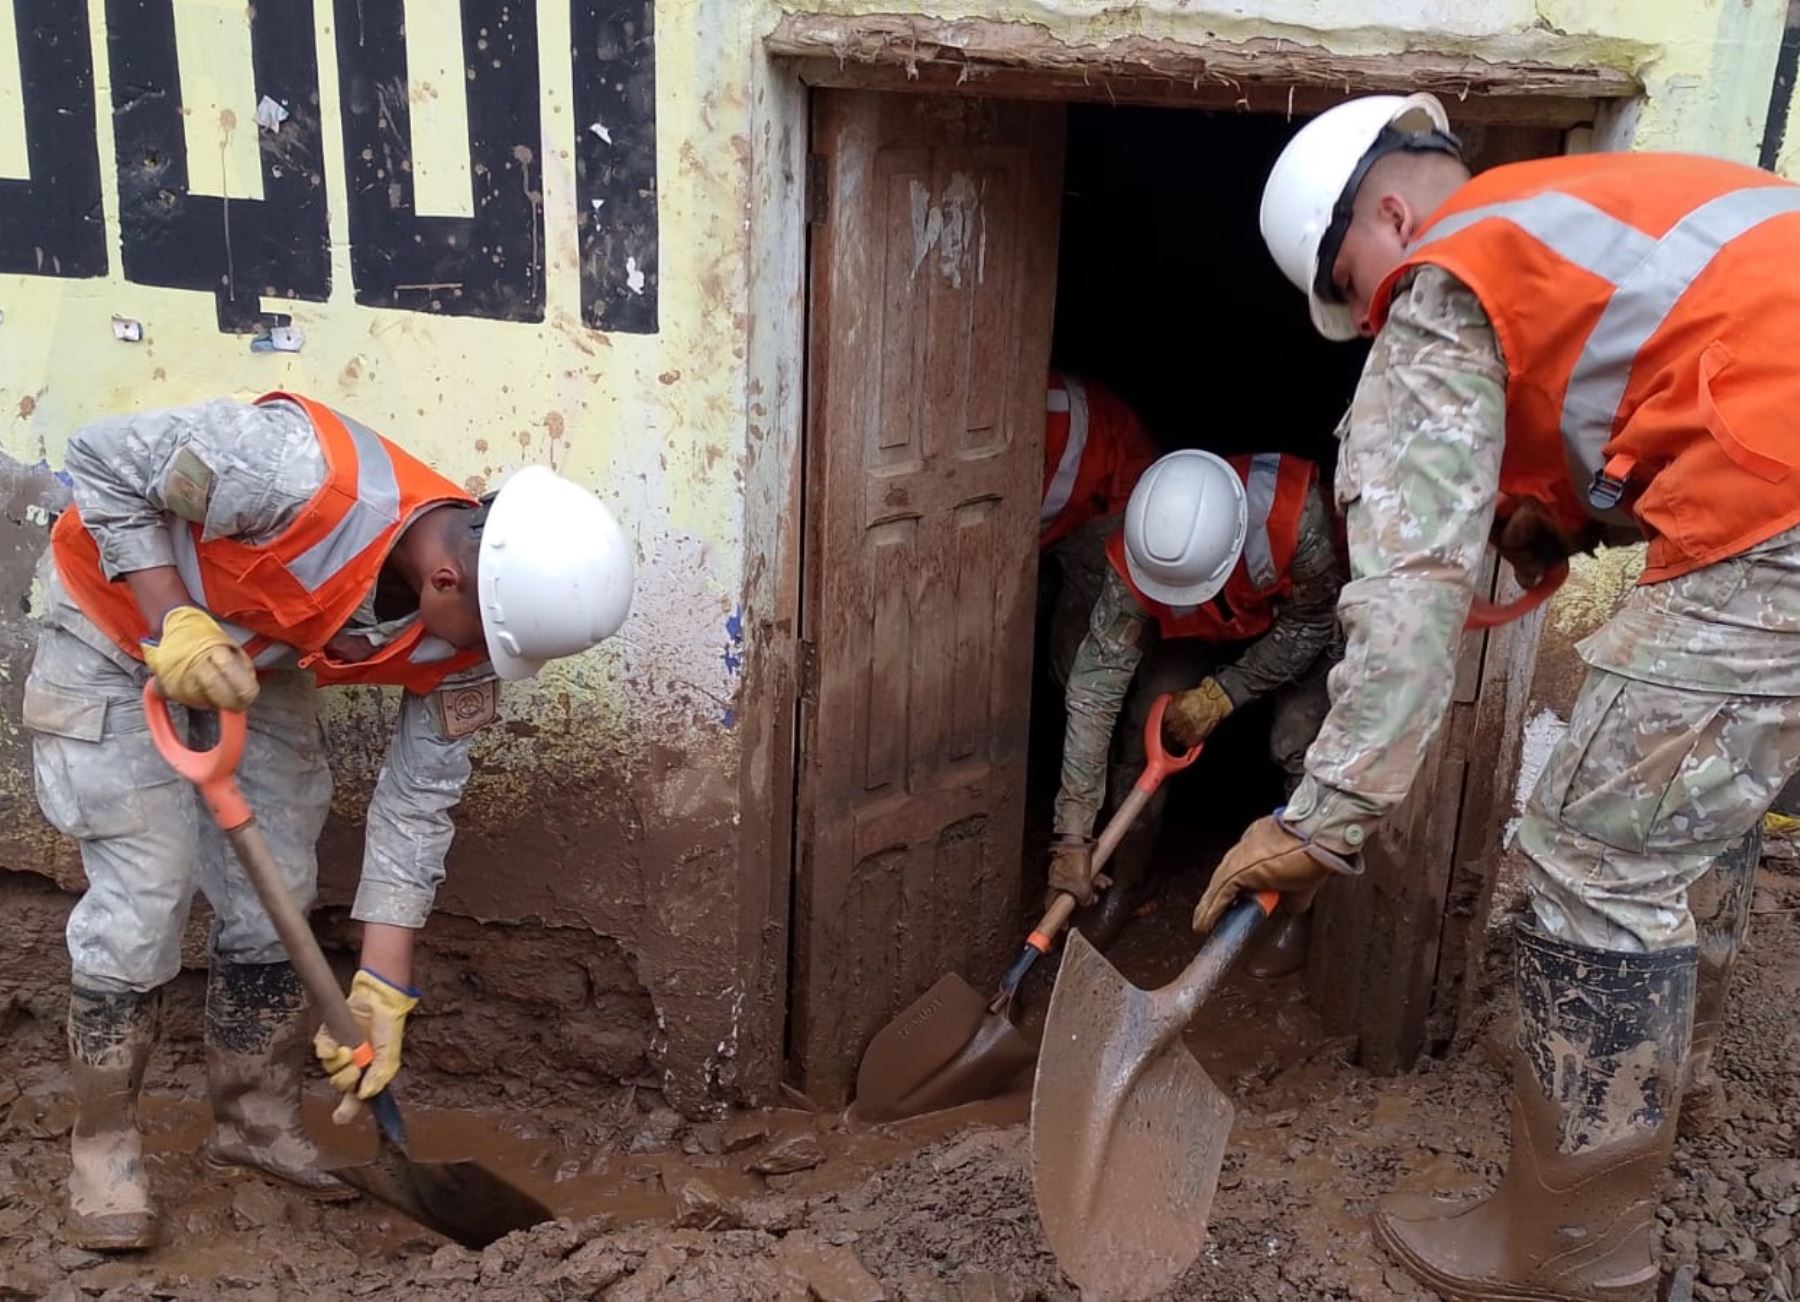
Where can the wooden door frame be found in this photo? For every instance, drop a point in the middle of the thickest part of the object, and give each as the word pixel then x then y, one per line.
pixel 982 57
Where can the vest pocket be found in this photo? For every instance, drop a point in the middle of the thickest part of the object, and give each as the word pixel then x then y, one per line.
pixel 1771 470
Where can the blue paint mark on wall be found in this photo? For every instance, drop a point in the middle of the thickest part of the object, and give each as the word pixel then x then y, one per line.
pixel 734 646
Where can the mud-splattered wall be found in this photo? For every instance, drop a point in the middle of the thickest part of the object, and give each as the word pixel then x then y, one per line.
pixel 502 233
pixel 570 232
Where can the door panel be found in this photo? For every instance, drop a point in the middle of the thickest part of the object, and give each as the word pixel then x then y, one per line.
pixel 933 279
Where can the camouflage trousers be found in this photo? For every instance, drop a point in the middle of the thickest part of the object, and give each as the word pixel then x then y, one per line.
pixel 1686 729
pixel 1077 566
pixel 146 841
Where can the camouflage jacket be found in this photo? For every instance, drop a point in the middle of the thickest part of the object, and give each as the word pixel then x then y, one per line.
pixel 1418 474
pixel 245 472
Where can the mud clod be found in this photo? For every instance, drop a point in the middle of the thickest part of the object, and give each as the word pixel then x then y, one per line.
pixel 256 1206
pixel 800 1152
pixel 699 1206
pixel 743 1132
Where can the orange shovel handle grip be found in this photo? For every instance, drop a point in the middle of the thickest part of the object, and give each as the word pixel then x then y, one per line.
pixel 1485 614
pixel 213 771
pixel 1159 760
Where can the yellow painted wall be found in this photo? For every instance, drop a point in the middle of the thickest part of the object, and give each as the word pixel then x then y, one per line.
pixel 607 798
pixel 616 782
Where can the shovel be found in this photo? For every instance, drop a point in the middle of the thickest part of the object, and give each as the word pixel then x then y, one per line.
pixel 463 1201
pixel 1127 1131
pixel 952 1045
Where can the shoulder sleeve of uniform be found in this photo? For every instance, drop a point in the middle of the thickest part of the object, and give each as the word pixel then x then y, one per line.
pixel 1418 473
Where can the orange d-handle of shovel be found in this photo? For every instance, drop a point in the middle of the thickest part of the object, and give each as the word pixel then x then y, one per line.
pixel 1159 763
pixel 1485 614
pixel 214 773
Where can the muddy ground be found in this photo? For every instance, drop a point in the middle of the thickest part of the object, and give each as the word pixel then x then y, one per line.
pixel 793 1204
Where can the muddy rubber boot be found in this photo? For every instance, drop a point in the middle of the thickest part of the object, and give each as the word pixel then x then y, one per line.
pixel 110 1037
pixel 1103 920
pixel 256 1048
pixel 1282 948
pixel 1720 901
pixel 1130 871
pixel 1594 1105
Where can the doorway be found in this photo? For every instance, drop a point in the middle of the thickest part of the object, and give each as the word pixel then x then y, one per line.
pixel 962 246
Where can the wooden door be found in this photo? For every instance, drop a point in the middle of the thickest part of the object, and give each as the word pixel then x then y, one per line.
pixel 933 280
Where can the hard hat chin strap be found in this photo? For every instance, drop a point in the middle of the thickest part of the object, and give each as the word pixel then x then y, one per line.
pixel 1392 140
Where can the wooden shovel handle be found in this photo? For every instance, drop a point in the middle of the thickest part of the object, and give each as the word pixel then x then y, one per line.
pixel 1159 763
pixel 215 773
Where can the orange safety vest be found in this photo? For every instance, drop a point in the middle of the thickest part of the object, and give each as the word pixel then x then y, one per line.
pixel 1648 306
pixel 293 593
pixel 1095 449
pixel 1275 488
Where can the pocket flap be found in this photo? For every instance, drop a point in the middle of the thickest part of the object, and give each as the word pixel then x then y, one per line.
pixel 61 712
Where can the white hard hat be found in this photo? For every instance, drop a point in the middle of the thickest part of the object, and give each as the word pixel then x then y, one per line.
pixel 554 573
pixel 1306 203
pixel 1184 528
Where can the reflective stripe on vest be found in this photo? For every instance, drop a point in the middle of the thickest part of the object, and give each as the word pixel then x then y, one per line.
pixel 1072 398
pixel 1259 493
pixel 1648 276
pixel 376 510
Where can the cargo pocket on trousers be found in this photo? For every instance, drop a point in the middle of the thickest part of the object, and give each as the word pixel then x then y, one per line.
pixel 1635 765
pixel 88 784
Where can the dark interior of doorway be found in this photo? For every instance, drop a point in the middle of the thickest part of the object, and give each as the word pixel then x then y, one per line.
pixel 1167 296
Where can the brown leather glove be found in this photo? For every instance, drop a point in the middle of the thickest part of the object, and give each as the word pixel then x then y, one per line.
pixel 1072 870
pixel 1529 540
pixel 1268 857
pixel 1193 714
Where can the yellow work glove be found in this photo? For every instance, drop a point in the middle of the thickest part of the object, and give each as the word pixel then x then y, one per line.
pixel 1072 870
pixel 1268 857
pixel 1193 714
pixel 381 1008
pixel 196 664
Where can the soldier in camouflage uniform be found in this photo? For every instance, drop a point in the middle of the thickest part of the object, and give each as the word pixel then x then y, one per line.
pixel 1136 649
pixel 228 504
pixel 1095 448
pixel 1536 319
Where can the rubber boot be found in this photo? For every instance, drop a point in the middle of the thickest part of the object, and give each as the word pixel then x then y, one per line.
pixel 1721 906
pixel 1282 948
pixel 1595 1077
pixel 110 1037
pixel 255 1051
pixel 1129 868
pixel 1102 921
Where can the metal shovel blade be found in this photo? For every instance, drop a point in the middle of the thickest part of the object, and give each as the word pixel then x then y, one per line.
pixel 944 1050
pixel 463 1201
pixel 1127 1134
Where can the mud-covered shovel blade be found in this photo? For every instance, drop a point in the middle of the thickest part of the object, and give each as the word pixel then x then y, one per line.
pixel 1127 1133
pixel 945 1049
pixel 463 1201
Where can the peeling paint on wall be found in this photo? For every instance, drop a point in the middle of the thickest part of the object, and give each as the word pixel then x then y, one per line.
pixel 619 302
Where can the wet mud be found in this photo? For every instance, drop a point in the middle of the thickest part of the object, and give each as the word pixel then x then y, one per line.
pixel 791 1204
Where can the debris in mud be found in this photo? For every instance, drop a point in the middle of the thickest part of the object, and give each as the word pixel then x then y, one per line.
pixel 944 1220
pixel 699 1206
pixel 744 1131
pixel 798 1152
